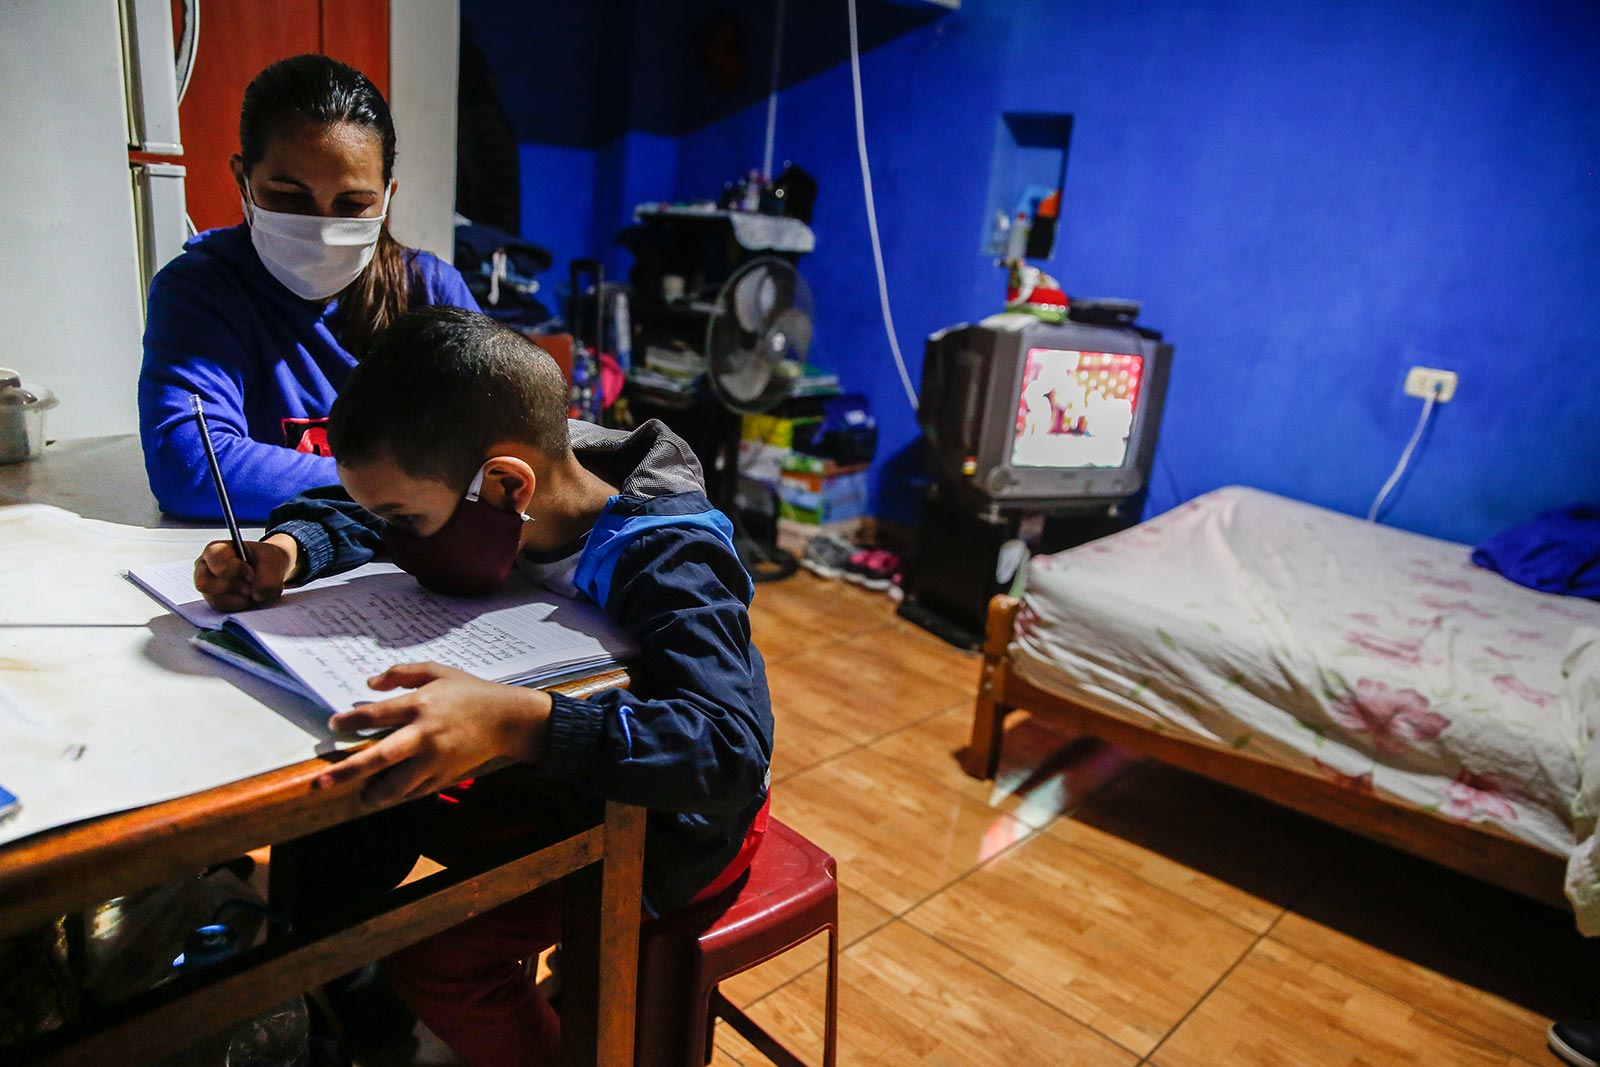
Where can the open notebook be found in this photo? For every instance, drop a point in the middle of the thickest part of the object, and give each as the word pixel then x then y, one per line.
pixel 327 638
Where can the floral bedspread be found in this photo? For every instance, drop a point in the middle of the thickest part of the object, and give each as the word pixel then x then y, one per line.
pixel 1379 659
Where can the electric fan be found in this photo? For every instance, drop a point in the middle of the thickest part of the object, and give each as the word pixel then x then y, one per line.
pixel 756 344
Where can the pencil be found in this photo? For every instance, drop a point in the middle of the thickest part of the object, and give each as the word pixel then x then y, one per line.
pixel 216 478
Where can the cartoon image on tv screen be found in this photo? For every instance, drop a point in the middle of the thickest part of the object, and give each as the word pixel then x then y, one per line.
pixel 1076 408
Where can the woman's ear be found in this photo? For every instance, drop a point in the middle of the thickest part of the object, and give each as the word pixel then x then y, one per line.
pixel 508 484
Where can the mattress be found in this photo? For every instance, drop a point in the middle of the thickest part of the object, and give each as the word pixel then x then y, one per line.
pixel 1378 659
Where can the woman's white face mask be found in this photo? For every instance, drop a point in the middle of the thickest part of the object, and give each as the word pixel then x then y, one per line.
pixel 314 257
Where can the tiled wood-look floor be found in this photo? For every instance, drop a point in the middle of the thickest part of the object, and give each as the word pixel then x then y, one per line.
pixel 1092 909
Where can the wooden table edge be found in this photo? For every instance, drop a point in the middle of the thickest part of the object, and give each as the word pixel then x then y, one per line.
pixel 601 942
pixel 59 871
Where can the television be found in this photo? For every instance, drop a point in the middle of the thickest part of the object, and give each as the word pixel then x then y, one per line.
pixel 1022 414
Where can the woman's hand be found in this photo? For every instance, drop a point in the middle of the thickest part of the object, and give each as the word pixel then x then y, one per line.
pixel 448 726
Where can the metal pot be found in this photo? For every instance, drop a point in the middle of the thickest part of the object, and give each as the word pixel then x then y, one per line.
pixel 21 418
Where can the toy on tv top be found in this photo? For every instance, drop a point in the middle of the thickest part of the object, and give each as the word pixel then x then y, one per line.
pixel 1031 290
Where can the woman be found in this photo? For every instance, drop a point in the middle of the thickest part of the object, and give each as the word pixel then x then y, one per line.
pixel 264 320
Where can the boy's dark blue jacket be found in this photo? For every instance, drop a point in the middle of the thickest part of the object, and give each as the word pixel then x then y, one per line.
pixel 693 741
pixel 266 364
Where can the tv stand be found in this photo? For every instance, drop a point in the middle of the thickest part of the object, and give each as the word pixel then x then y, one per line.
pixel 959 548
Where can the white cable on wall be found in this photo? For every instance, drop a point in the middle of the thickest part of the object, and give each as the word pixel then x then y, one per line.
pixel 772 94
pixel 1405 457
pixel 872 212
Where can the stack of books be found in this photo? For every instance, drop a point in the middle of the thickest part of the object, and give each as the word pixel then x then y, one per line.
pixel 670 370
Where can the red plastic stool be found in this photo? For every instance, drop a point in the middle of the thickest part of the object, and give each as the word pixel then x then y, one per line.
pixel 790 894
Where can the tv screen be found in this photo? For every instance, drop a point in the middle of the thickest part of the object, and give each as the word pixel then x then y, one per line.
pixel 1019 413
pixel 1076 408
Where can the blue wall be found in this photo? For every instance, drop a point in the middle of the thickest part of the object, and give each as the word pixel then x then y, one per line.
pixel 599 95
pixel 1307 197
pixel 576 200
pixel 592 141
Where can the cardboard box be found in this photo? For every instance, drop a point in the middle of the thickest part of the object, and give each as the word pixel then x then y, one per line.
pixel 776 431
pixel 766 443
pixel 819 492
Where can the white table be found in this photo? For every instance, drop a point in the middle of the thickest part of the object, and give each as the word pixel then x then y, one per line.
pixel 104 704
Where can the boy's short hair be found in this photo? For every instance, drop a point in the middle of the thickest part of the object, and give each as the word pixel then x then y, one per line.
pixel 442 386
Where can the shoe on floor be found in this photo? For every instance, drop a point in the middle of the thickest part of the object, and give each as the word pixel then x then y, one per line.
pixel 827 555
pixel 897 586
pixel 873 568
pixel 1576 1042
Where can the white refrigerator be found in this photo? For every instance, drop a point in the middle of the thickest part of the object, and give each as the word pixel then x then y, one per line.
pixel 89 91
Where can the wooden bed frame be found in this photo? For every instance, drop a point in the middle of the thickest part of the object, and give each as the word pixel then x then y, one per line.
pixel 1479 853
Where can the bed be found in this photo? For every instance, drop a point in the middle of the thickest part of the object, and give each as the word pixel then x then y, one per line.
pixel 1369 677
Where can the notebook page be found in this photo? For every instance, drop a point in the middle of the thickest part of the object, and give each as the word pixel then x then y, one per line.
pixel 334 639
pixel 172 584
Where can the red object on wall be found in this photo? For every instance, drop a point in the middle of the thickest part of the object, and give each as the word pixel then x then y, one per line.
pixel 238 38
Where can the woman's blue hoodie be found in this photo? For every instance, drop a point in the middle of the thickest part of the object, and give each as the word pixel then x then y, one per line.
pixel 266 364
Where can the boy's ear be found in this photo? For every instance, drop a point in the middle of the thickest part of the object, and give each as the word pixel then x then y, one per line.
pixel 236 164
pixel 508 483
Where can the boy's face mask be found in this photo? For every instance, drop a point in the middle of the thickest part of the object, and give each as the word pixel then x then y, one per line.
pixel 470 555
pixel 313 256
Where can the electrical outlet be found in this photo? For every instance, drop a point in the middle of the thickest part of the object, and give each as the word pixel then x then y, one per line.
pixel 1421 382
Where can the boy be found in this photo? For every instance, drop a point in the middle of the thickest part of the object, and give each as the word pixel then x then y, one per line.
pixel 452 440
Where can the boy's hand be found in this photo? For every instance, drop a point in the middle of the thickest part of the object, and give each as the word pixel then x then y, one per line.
pixel 230 584
pixel 447 727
